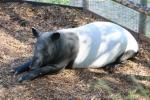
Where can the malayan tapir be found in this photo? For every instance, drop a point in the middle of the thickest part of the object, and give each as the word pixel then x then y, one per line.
pixel 93 45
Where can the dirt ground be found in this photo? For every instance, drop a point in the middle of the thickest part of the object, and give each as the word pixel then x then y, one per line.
pixel 129 81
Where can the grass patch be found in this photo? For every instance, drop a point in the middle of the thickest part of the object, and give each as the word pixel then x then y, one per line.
pixel 139 91
pixel 55 1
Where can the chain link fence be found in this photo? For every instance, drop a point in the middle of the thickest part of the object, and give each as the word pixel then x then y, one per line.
pixel 111 10
pixel 116 12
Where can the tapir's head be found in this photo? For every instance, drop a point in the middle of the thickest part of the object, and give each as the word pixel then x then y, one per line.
pixel 54 47
pixel 47 47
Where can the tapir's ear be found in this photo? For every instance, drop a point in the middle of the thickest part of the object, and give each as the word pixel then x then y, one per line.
pixel 55 36
pixel 35 32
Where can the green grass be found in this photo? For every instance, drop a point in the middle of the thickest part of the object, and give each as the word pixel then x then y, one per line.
pixel 55 1
pixel 137 90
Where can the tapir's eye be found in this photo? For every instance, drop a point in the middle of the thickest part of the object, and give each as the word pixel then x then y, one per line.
pixel 55 36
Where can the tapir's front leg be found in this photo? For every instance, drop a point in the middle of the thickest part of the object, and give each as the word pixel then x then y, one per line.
pixel 22 68
pixel 52 69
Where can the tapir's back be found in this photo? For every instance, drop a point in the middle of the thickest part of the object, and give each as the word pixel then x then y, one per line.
pixel 100 44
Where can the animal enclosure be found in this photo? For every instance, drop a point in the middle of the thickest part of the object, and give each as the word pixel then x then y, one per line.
pixel 130 80
pixel 128 13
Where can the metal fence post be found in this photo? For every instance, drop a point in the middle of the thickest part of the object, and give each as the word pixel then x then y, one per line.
pixel 85 4
pixel 142 19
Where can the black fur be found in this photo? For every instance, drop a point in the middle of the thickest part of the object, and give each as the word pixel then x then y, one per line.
pixel 53 52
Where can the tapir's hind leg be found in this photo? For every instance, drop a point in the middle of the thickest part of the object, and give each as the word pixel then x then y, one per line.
pixel 127 55
pixel 121 59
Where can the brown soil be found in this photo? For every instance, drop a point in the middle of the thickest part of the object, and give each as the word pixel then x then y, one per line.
pixel 130 80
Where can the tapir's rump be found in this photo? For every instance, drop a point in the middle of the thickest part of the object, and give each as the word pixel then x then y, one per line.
pixel 101 43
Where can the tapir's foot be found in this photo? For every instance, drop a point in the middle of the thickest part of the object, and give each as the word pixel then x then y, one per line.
pixel 18 70
pixel 111 67
pixel 21 68
pixel 127 55
pixel 29 76
pixel 120 60
pixel 40 72
pixel 12 70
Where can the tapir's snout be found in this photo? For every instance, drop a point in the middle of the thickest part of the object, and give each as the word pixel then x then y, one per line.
pixel 36 63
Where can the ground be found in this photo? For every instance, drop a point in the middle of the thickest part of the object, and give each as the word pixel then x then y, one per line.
pixel 128 81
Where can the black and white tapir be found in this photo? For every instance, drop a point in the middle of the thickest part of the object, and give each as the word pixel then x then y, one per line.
pixel 93 45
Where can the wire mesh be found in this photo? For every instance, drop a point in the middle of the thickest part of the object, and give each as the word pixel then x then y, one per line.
pixel 148 27
pixel 116 13
pixel 77 3
pixel 110 10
